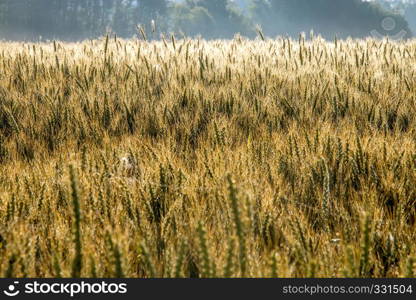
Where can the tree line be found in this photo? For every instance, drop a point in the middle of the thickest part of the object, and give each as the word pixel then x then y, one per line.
pixel 211 19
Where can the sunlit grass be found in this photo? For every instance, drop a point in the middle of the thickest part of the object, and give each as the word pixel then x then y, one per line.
pixel 188 158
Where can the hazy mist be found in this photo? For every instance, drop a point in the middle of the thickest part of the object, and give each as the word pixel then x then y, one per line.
pixel 210 19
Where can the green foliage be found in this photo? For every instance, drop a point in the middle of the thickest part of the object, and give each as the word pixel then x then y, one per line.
pixel 210 19
pixel 77 260
pixel 75 19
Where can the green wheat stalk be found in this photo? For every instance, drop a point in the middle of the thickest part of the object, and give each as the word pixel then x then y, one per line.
pixel 77 261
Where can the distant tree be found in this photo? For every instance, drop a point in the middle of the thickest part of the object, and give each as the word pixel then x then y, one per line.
pixel 96 17
pixel 261 14
pixel 81 19
pixel 193 20
pixel 15 14
pixel 54 19
pixel 148 11
pixel 343 18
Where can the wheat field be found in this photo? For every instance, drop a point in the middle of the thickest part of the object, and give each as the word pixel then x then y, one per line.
pixel 193 158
